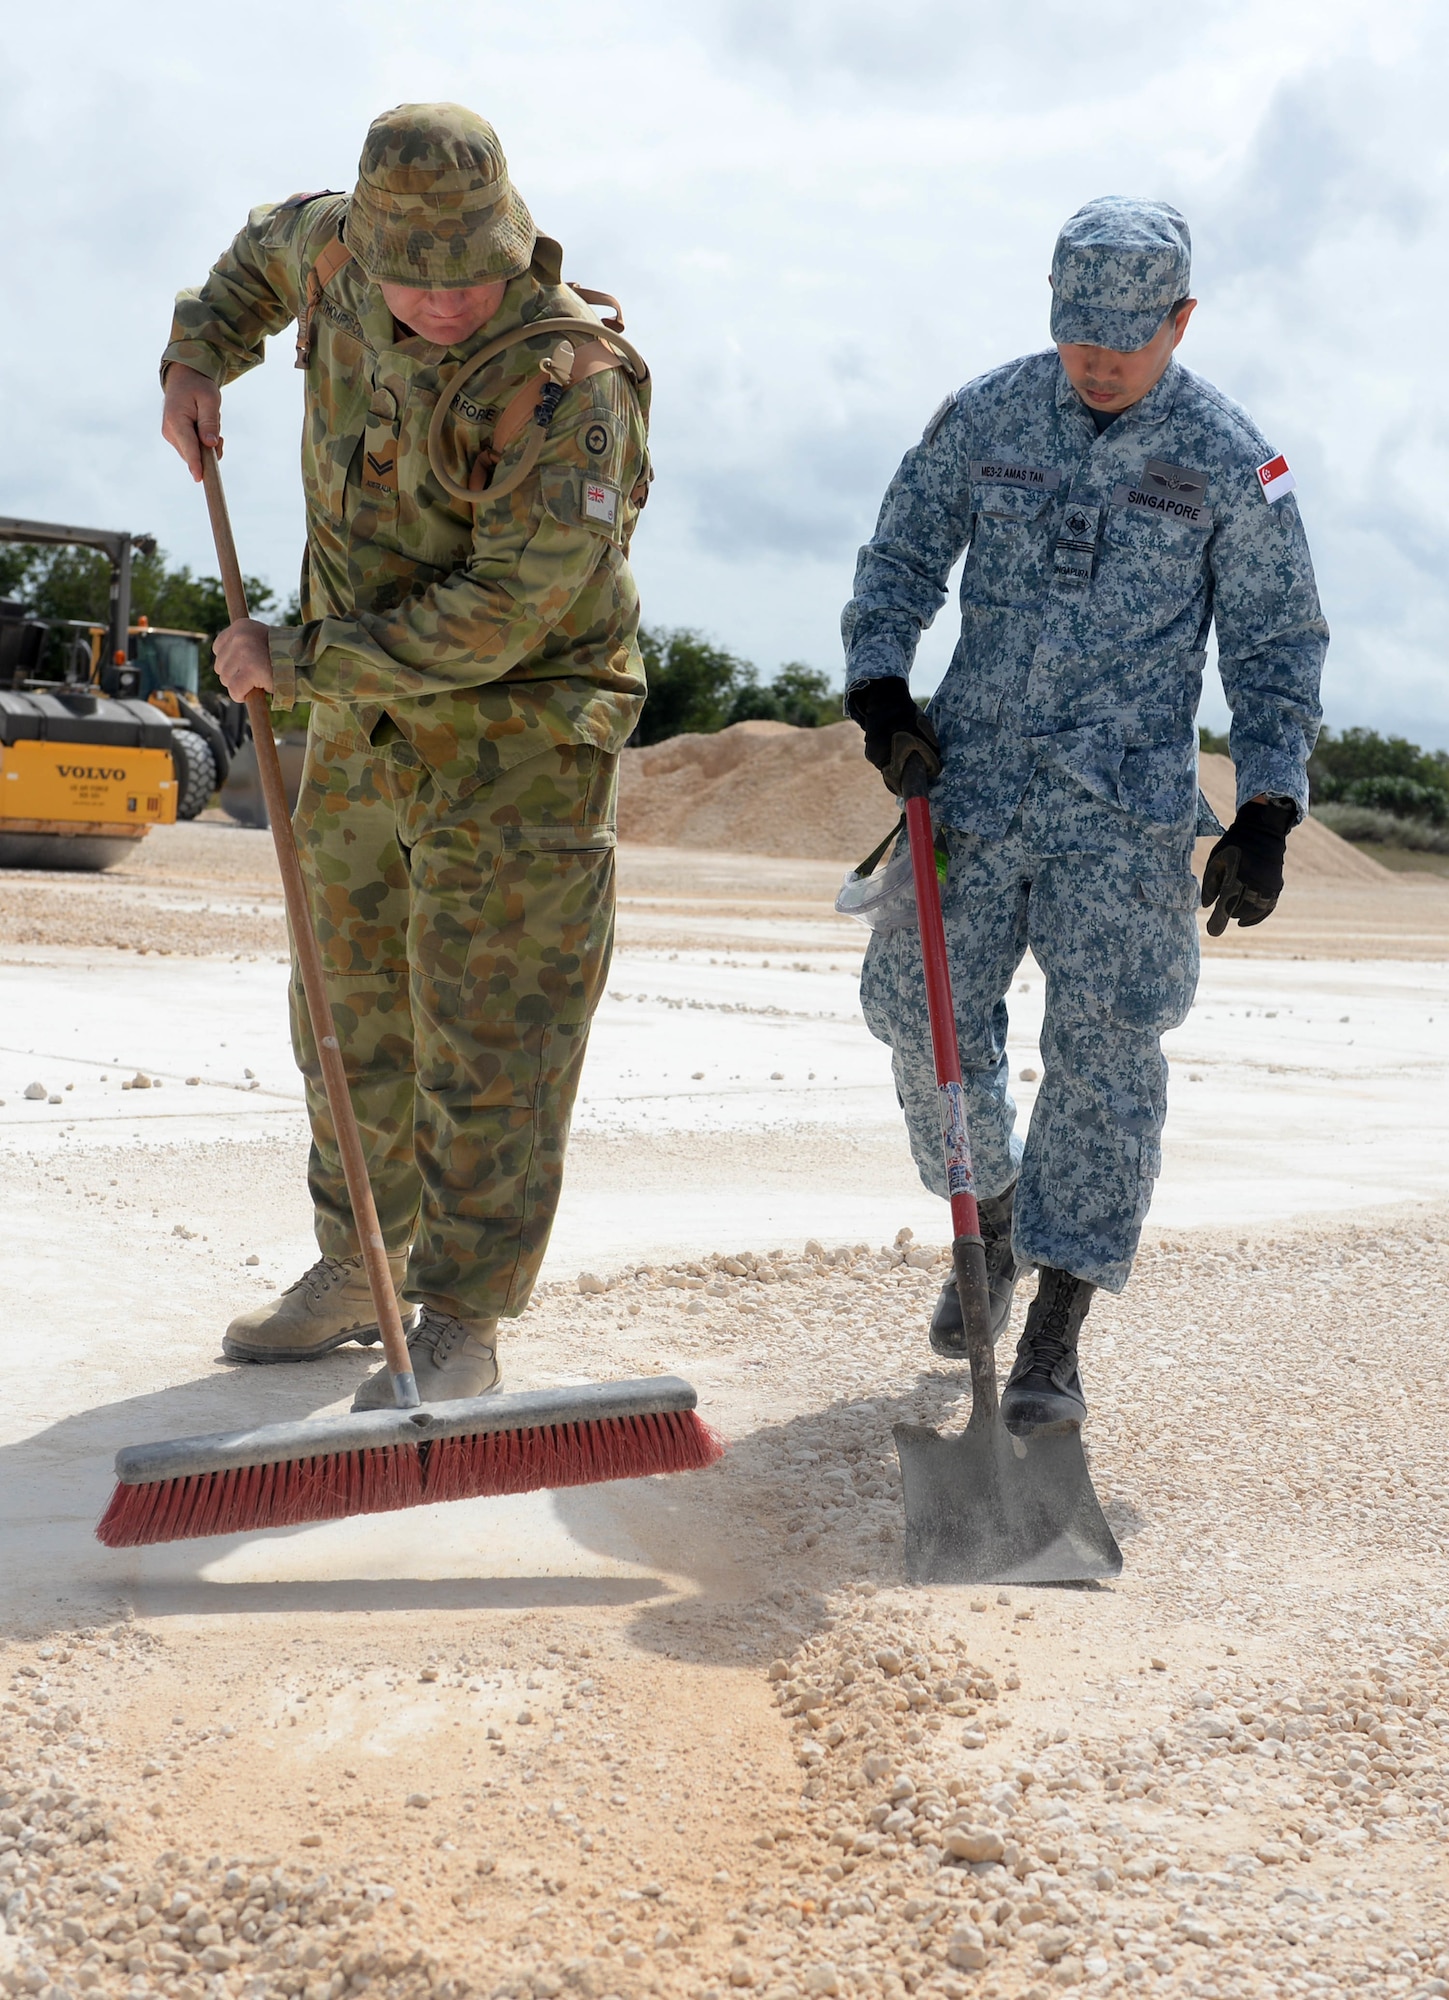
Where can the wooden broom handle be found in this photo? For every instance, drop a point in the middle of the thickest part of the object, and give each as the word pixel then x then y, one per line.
pixel 309 962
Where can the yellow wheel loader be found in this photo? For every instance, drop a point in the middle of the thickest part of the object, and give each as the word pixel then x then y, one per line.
pixel 119 740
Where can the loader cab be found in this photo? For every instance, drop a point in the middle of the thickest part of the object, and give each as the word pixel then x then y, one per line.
pixel 165 662
pixel 23 639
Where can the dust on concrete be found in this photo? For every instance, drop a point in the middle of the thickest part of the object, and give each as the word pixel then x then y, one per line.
pixel 783 1772
pixel 202 888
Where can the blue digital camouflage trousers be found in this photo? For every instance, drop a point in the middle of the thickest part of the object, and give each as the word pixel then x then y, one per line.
pixel 1107 909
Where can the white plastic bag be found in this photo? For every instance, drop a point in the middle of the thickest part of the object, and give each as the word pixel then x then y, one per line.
pixel 884 899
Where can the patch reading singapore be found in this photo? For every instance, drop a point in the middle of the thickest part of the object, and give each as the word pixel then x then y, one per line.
pixel 1172 492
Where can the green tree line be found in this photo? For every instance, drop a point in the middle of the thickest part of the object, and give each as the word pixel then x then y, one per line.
pixel 59 583
pixel 1386 779
pixel 696 688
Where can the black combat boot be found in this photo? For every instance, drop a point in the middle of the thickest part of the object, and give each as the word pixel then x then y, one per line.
pixel 948 1335
pixel 1043 1394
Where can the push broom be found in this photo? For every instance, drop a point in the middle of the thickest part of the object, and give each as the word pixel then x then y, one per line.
pixel 376 1461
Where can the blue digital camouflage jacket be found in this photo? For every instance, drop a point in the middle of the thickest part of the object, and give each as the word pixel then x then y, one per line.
pixel 1095 566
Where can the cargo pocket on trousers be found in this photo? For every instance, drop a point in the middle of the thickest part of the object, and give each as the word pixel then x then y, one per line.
pixel 553 873
pixel 443 945
pixel 542 938
pixel 559 839
pixel 879 980
pixel 1157 973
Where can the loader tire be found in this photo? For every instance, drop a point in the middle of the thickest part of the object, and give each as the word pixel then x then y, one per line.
pixel 83 853
pixel 195 772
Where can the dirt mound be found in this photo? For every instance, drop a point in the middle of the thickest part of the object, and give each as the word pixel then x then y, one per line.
pixel 765 788
pixel 756 788
pixel 1314 853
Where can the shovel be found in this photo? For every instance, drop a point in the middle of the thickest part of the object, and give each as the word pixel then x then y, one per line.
pixel 983 1506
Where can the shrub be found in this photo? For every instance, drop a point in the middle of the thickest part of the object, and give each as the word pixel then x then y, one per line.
pixel 1367 824
pixel 1405 798
pixel 697 688
pixel 798 694
pixel 691 685
pixel 1339 762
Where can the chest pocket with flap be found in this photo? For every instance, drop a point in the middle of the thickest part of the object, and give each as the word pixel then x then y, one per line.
pixel 1009 542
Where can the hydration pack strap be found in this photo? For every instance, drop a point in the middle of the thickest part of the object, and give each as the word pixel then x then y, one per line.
pixel 330 259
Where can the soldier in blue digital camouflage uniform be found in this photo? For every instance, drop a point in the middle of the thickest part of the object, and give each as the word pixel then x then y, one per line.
pixel 1112 507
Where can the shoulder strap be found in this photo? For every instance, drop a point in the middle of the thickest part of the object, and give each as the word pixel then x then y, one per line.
pixel 535 402
pixel 325 266
pixel 564 367
pixel 615 322
pixel 538 397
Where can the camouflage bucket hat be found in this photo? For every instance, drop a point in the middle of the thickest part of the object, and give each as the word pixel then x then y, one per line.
pixel 433 206
pixel 1119 266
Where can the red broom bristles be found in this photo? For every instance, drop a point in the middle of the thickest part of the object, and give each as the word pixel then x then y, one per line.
pixel 337 1484
pixel 555 1455
pixel 287 1495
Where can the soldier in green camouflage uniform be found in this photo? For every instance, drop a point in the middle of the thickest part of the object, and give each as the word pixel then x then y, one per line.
pixel 472 670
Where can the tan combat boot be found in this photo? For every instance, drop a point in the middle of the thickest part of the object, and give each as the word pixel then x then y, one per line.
pixel 451 1358
pixel 328 1305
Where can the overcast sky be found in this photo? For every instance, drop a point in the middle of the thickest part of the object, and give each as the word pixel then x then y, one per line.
pixel 821 215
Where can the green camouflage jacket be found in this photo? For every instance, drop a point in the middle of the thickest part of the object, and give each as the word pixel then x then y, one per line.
pixel 486 632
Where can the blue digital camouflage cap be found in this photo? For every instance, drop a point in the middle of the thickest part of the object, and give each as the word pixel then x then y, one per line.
pixel 1119 265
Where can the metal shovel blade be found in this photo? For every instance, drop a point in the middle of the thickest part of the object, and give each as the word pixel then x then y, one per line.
pixel 985 1507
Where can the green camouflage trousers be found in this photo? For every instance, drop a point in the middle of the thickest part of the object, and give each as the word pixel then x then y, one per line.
pixel 466 945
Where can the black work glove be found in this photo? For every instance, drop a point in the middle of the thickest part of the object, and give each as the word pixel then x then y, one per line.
pixel 895 729
pixel 1244 873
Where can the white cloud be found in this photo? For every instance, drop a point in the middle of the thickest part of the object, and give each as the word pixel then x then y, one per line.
pixel 821 215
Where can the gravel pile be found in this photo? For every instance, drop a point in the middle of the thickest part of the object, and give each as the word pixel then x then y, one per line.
pixel 98 914
pixel 756 788
pixel 909 1855
pixel 744 1277
pixel 177 1925
pixel 785 1774
pixel 1083 1863
pixel 765 788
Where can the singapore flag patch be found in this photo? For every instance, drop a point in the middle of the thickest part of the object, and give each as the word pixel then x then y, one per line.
pixel 1275 479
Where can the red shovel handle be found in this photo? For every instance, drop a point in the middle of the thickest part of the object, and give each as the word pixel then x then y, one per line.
pixel 967 1251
